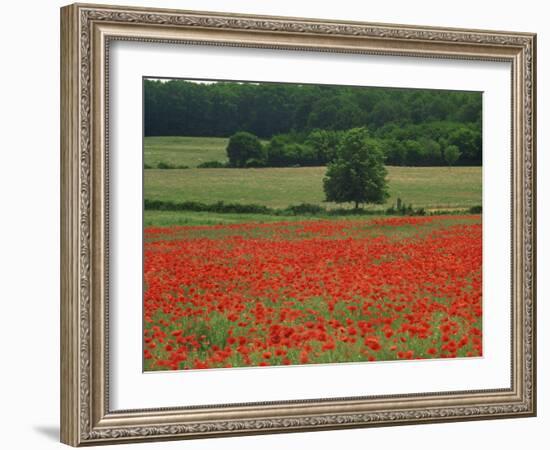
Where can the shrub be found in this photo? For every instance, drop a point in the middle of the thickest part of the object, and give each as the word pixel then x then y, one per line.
pixel 255 162
pixel 306 208
pixel 243 146
pixel 275 154
pixel 402 209
pixel 218 207
pixel 420 212
pixel 296 155
pixel 165 165
pixel 294 210
pixel 211 165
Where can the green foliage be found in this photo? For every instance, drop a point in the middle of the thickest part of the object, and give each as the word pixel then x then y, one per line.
pixel 283 151
pixel 324 143
pixel 255 162
pixel 306 208
pixel 357 174
pixel 219 207
pixel 336 112
pixel 275 151
pixel 259 213
pixel 475 209
pixel 423 144
pixel 421 151
pixel 468 142
pixel 184 108
pixel 211 165
pixel 402 209
pixel 431 155
pixel 408 145
pixel 451 154
pixel 166 166
pixel 299 155
pixel 408 123
pixel 242 147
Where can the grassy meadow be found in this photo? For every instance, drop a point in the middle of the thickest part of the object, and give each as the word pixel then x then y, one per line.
pixel 432 188
pixel 183 151
pixel 428 187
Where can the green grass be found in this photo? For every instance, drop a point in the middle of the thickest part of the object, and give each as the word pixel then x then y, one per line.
pixel 431 188
pixel 183 151
pixel 426 187
pixel 180 218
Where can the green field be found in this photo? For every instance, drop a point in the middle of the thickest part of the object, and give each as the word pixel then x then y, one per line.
pixel 427 187
pixel 183 151
pixel 432 188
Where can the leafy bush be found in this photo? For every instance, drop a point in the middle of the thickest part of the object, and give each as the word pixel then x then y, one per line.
pixel 294 210
pixel 306 208
pixel 275 153
pixel 211 165
pixel 168 166
pixel 218 207
pixel 475 209
pixel 402 209
pixel 243 146
pixel 165 165
pixel 255 162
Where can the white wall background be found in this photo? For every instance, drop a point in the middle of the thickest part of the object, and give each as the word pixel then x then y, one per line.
pixel 29 225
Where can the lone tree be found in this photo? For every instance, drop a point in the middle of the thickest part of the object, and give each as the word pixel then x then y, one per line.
pixel 358 173
pixel 451 154
pixel 243 147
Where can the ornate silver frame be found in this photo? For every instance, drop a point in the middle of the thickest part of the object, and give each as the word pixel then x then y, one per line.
pixel 86 31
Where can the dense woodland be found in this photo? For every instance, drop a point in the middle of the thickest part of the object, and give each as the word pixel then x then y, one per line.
pixel 304 123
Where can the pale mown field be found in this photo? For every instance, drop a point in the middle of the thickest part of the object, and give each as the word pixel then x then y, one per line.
pixel 427 187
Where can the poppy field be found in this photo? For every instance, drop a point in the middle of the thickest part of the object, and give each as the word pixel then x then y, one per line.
pixel 312 291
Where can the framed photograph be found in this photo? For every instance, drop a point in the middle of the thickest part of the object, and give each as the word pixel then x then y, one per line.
pixel 274 224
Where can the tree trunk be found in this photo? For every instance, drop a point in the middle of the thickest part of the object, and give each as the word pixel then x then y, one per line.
pixel 356 205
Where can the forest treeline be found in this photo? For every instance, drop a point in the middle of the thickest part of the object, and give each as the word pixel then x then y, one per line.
pixel 413 127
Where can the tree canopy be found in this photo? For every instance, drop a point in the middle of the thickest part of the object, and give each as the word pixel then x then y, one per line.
pixel 358 173
pixel 413 126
